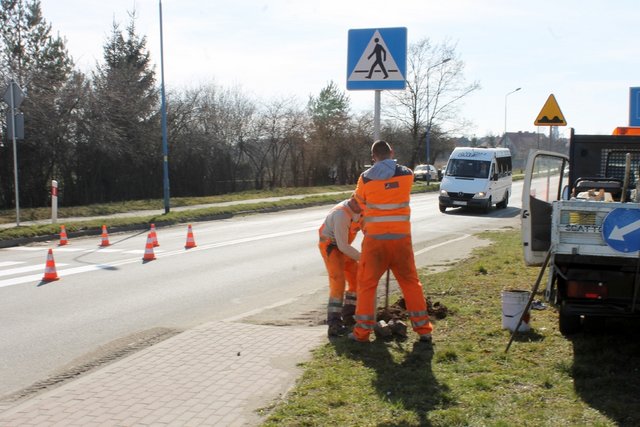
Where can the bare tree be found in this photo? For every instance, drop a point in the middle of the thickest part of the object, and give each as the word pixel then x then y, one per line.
pixel 282 126
pixel 435 85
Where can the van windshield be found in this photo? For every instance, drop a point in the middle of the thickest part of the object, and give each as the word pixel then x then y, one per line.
pixel 464 168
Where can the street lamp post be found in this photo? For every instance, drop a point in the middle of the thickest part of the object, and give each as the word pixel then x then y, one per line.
pixel 428 135
pixel 163 108
pixel 505 110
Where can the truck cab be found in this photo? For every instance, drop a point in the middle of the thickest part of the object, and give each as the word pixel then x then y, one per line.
pixel 580 213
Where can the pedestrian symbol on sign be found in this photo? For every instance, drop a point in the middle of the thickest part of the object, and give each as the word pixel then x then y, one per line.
pixel 379 52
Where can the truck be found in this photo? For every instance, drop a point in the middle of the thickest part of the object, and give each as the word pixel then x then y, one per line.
pixel 581 219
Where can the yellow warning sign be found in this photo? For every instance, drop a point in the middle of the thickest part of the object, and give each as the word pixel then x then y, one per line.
pixel 550 115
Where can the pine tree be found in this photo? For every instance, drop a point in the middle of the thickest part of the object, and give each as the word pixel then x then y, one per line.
pixel 40 64
pixel 125 119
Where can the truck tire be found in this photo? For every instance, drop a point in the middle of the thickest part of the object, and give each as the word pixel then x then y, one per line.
pixel 442 208
pixel 569 324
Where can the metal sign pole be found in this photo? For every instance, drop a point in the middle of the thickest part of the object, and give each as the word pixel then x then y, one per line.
pixel 15 150
pixel 165 145
pixel 376 116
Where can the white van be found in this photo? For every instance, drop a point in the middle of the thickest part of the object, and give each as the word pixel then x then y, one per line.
pixel 476 177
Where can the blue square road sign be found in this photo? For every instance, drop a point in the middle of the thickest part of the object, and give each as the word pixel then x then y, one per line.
pixel 377 59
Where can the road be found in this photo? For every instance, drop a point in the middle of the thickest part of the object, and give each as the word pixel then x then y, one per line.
pixel 240 266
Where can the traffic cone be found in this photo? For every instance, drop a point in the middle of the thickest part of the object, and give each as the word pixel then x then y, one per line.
pixel 50 269
pixel 154 236
pixel 191 243
pixel 63 236
pixel 148 249
pixel 105 236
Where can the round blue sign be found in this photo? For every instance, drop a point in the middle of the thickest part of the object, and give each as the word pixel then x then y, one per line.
pixel 621 230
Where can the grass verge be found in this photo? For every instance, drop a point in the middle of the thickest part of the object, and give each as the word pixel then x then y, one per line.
pixel 466 379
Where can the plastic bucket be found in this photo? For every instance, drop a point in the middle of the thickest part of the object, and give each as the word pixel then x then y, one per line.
pixel 513 304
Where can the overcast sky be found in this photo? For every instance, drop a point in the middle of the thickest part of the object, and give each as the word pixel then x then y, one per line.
pixel 585 52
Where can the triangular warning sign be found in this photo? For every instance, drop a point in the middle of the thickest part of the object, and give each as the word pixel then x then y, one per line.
pixel 550 115
pixel 376 63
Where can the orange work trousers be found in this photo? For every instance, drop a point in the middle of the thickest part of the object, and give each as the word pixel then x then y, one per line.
pixel 343 273
pixel 377 256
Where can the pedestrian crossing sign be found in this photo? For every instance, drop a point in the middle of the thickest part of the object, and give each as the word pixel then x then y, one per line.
pixel 377 59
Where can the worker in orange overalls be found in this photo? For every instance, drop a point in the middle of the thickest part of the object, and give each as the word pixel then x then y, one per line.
pixel 383 192
pixel 341 260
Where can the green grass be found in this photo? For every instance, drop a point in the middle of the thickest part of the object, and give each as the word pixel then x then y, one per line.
pixel 467 379
pixel 9 215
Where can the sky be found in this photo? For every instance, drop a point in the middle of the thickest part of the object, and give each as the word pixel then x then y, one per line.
pixel 584 52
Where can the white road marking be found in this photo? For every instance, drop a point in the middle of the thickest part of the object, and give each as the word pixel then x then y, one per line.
pixel 8 263
pixel 428 248
pixel 87 268
pixel 21 270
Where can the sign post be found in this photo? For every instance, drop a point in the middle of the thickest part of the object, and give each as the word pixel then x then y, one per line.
pixel 377 60
pixel 54 201
pixel 14 97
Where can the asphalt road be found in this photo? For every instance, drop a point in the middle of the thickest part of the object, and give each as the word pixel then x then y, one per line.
pixel 108 299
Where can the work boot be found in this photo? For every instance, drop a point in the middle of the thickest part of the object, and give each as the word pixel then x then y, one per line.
pixel 336 330
pixel 348 313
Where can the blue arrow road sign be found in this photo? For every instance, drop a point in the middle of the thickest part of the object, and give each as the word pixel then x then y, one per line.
pixel 377 59
pixel 634 106
pixel 621 230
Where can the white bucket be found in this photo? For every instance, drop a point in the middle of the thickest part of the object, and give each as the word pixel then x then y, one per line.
pixel 513 304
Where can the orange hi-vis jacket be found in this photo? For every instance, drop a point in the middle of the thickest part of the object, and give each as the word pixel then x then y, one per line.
pixel 384 192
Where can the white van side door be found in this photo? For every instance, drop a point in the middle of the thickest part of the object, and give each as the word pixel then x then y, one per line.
pixel 544 179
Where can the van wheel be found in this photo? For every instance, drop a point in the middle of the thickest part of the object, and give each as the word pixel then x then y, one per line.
pixel 503 204
pixel 569 324
pixel 442 208
pixel 488 207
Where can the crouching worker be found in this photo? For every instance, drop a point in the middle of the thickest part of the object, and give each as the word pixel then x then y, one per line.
pixel 341 260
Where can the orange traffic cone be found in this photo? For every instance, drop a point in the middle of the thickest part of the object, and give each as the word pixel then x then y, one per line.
pixel 50 269
pixel 154 236
pixel 63 236
pixel 105 236
pixel 191 243
pixel 148 249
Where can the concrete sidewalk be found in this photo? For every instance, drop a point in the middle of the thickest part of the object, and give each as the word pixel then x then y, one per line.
pixel 217 374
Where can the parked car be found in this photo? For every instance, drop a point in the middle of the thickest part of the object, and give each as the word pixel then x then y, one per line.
pixel 425 173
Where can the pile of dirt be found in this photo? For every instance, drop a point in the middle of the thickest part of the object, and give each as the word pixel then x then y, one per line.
pixel 398 311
